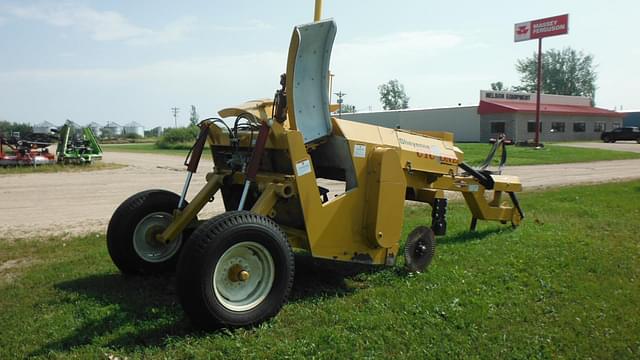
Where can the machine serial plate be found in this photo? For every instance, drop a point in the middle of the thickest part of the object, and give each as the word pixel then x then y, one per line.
pixel 359 150
pixel 303 167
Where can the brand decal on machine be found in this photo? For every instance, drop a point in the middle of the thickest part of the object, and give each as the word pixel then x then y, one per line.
pixel 413 144
pixel 303 167
pixel 443 159
pixel 359 150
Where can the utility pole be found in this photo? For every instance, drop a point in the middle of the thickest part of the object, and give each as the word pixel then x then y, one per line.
pixel 330 85
pixel 340 94
pixel 175 115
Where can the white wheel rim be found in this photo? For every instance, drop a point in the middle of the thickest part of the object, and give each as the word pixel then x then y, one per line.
pixel 144 242
pixel 243 295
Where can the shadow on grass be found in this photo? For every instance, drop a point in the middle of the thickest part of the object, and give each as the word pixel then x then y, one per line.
pixel 145 311
pixel 316 279
pixel 466 236
pixel 141 311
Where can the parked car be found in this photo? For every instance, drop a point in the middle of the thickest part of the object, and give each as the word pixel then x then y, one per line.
pixel 621 133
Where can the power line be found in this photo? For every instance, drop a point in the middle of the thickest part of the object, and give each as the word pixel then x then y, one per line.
pixel 175 115
pixel 340 94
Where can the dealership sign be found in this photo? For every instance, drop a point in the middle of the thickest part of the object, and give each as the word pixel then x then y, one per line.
pixel 537 29
pixel 506 95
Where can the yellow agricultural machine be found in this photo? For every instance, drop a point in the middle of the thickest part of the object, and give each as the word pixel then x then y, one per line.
pixel 237 268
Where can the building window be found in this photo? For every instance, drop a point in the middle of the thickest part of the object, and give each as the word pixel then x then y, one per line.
pixel 599 126
pixel 579 127
pixel 531 126
pixel 557 126
pixel 497 127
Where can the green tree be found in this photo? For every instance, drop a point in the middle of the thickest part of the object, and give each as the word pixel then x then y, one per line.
pixel 497 86
pixel 194 119
pixel 564 72
pixel 393 96
pixel 178 138
pixel 6 128
pixel 347 108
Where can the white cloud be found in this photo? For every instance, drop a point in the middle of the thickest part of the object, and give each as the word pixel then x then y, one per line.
pixel 174 31
pixel 142 93
pixel 392 53
pixel 363 64
pixel 145 93
pixel 249 25
pixel 402 43
pixel 101 25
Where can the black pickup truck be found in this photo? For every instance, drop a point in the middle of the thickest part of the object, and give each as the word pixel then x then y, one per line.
pixel 621 133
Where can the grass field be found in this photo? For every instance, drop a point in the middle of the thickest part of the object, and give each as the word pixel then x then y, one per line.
pixel 98 165
pixel 563 285
pixel 474 153
pixel 146 148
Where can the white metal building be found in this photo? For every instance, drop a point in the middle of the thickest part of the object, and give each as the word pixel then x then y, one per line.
pixel 562 118
pixel 95 128
pixel 133 128
pixel 463 121
pixel 111 129
pixel 156 131
pixel 72 124
pixel 43 127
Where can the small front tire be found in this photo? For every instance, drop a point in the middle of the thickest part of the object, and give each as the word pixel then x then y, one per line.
pixel 419 249
pixel 237 270
pixel 132 230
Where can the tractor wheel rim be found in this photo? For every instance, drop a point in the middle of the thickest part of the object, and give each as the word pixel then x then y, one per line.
pixel 144 242
pixel 243 276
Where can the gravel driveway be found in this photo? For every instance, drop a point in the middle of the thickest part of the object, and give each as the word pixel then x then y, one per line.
pixel 40 205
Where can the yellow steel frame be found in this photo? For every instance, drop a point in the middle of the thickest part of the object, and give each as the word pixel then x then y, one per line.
pixel 364 223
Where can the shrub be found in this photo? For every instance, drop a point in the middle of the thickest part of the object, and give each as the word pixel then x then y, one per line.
pixel 179 138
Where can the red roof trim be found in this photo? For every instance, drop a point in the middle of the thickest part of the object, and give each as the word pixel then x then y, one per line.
pixel 497 107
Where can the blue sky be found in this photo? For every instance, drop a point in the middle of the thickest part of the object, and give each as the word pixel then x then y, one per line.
pixel 129 61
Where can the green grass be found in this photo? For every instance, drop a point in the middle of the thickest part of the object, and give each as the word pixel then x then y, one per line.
pixel 565 284
pixel 53 168
pixel 475 154
pixel 147 148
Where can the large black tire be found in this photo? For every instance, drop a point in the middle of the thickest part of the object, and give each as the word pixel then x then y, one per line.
pixel 606 139
pixel 133 227
pixel 209 284
pixel 419 249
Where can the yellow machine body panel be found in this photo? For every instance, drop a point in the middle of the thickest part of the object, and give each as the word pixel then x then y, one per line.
pixel 270 167
pixel 381 167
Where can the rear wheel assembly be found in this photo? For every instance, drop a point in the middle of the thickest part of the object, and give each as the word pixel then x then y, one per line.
pixel 131 235
pixel 419 249
pixel 237 270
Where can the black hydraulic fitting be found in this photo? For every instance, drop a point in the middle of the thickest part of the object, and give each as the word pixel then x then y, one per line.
pixel 439 216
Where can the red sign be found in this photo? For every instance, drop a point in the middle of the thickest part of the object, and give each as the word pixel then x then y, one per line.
pixel 535 29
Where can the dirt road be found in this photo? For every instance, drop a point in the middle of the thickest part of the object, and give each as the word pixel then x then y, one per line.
pixel 40 205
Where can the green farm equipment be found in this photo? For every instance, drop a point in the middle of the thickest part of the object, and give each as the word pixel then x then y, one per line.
pixel 78 146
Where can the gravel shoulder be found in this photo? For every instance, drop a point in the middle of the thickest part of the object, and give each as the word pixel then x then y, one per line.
pixel 53 204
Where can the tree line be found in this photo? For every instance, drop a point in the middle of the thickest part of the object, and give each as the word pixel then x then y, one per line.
pixel 565 72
